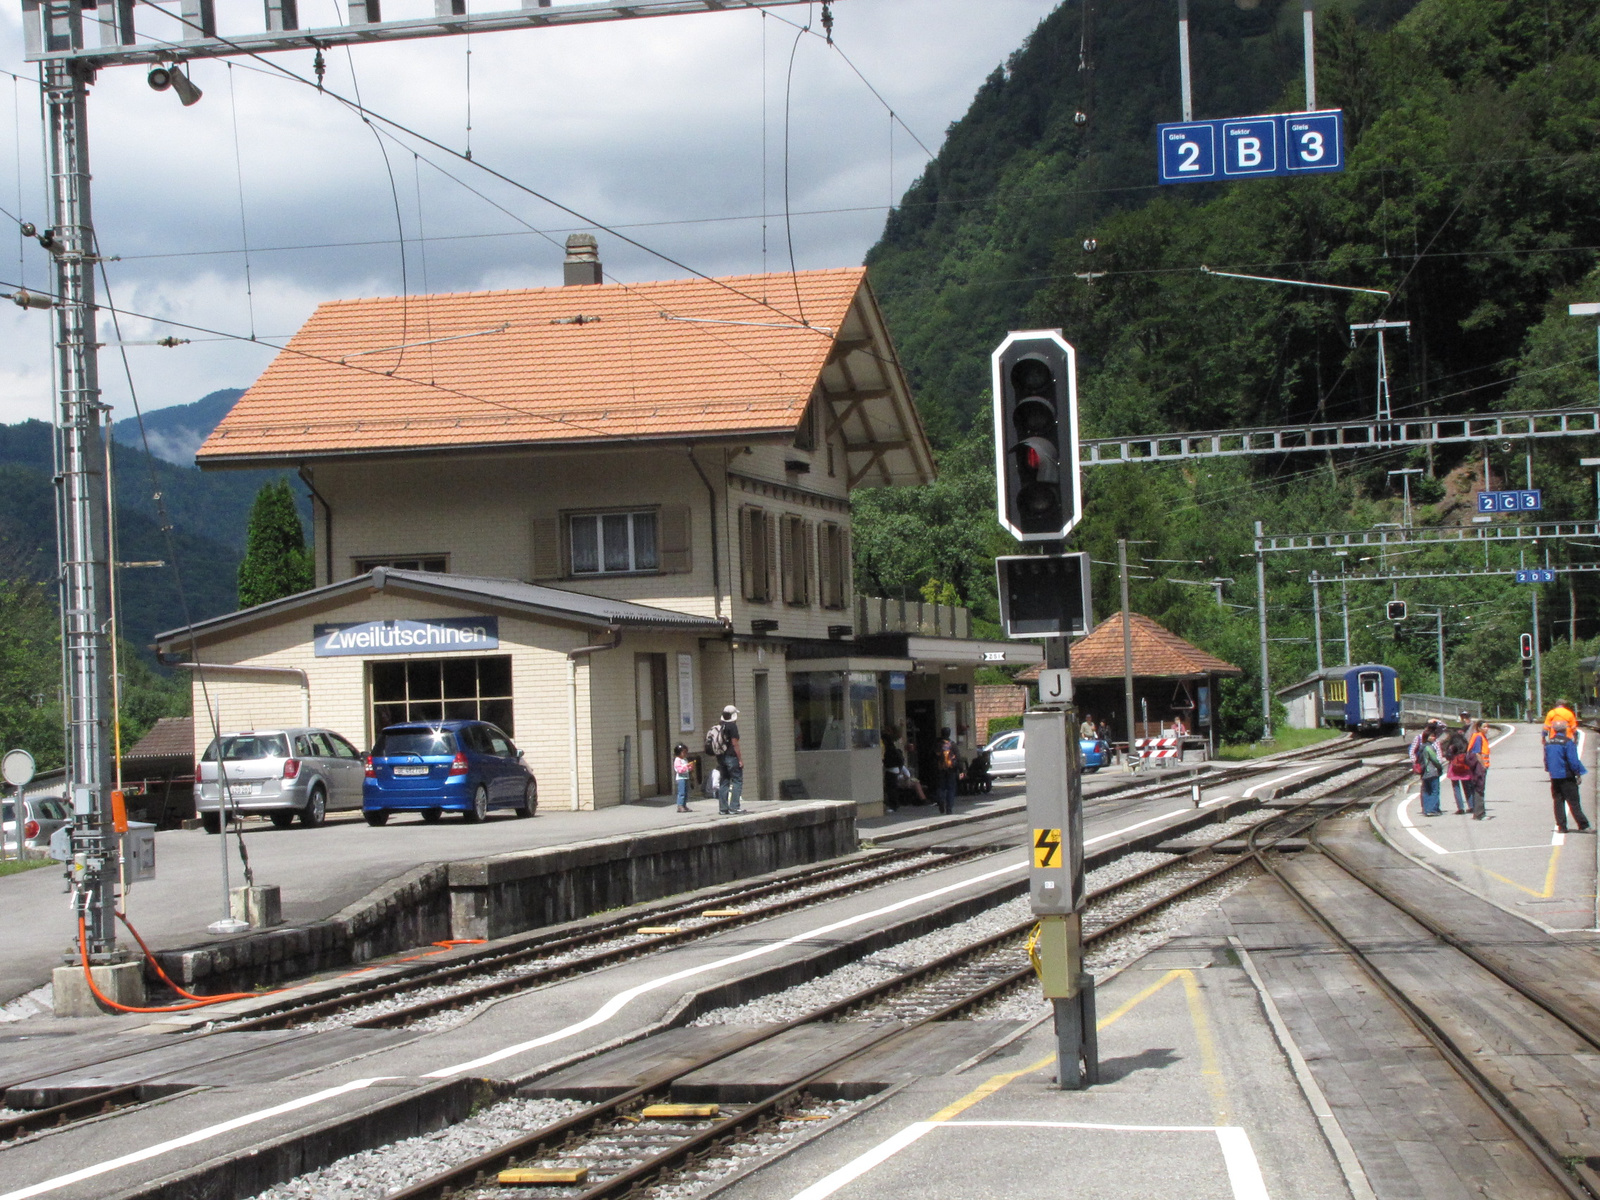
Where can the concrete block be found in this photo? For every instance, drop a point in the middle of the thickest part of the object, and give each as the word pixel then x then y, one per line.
pixel 258 907
pixel 121 982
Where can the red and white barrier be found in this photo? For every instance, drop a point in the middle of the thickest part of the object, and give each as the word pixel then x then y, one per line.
pixel 1163 747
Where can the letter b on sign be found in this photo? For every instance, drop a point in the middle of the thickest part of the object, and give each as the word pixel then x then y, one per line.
pixel 1250 147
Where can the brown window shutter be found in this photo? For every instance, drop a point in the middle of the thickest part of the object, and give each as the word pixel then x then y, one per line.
pixel 673 530
pixel 847 569
pixel 827 563
pixel 772 556
pixel 546 539
pixel 808 575
pixel 747 564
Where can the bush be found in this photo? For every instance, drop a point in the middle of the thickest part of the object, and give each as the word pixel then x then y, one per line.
pixel 999 725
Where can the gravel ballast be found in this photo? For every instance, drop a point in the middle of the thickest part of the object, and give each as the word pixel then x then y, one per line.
pixel 373 1174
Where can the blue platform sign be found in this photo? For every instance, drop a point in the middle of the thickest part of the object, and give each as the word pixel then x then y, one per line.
pixel 1536 575
pixel 1251 147
pixel 1524 500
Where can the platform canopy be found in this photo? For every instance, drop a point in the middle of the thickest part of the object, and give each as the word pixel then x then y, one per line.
pixel 1158 653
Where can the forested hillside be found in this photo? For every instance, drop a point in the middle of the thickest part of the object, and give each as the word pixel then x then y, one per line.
pixel 1473 130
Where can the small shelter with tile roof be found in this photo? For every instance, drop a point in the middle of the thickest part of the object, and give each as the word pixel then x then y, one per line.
pixel 1172 678
pixel 637 495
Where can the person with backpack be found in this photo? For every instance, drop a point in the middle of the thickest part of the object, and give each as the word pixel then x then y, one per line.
pixel 1453 750
pixel 948 766
pixel 722 743
pixel 1432 772
pixel 1478 744
pixel 1565 768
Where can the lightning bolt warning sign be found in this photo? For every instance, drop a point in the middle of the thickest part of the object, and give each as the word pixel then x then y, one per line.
pixel 1047 847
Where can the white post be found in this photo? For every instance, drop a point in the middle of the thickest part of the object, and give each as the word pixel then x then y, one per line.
pixel 1308 24
pixel 1185 81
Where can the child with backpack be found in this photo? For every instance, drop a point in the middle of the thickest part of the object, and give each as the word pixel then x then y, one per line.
pixel 681 768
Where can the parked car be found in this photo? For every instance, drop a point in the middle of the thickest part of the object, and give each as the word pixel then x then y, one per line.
pixel 435 767
pixel 1008 757
pixel 279 773
pixel 41 817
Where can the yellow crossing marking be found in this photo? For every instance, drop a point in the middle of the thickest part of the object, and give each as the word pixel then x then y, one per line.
pixel 1208 1053
pixel 1549 877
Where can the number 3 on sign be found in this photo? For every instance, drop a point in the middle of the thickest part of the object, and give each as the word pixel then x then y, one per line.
pixel 1311 148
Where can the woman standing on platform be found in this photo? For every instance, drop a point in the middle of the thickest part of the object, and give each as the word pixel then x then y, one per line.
pixel 1432 772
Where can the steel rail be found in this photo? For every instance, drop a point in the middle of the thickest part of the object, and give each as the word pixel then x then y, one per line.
pixel 552 1140
pixel 1586 1187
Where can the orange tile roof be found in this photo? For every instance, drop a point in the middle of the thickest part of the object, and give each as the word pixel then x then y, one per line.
pixel 518 367
pixel 1157 653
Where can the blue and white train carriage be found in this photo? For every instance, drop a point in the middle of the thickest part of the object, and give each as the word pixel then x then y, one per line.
pixel 1363 699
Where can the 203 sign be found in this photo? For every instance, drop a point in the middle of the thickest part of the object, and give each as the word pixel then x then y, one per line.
pixel 1251 147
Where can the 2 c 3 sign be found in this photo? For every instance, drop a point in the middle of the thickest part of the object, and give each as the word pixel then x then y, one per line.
pixel 1251 147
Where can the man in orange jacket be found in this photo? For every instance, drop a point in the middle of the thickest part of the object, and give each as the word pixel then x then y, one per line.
pixel 1561 712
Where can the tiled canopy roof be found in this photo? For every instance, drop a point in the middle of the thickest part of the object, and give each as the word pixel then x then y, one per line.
pixel 687 358
pixel 1157 653
pixel 171 737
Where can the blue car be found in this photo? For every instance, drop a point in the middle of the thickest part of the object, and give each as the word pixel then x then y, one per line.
pixel 435 767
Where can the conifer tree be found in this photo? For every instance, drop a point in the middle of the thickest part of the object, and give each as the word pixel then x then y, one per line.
pixel 276 561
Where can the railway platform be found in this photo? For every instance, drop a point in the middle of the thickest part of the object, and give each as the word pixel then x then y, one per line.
pixel 1514 858
pixel 1195 1101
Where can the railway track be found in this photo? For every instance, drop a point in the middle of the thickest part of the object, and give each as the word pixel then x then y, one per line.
pixel 1571 1174
pixel 501 971
pixel 639 1138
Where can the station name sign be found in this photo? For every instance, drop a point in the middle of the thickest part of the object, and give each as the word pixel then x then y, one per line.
pixel 1307 143
pixel 407 637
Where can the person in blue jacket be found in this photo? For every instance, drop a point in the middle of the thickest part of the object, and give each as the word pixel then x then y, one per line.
pixel 1562 764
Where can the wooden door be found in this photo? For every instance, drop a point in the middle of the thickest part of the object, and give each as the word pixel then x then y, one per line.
pixel 655 732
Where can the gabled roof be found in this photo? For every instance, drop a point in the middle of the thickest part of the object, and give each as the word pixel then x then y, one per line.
pixel 1158 653
pixel 692 359
pixel 528 599
pixel 170 737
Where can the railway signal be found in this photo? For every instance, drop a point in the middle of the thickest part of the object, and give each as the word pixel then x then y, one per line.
pixel 1397 610
pixel 1527 647
pixel 1035 379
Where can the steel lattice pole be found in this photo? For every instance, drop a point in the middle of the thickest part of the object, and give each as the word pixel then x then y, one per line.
pixel 82 509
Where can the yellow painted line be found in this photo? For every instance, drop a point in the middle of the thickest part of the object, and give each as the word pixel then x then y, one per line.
pixel 1549 877
pixel 995 1082
pixel 1210 1070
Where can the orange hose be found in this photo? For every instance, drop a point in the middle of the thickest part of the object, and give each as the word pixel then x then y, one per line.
pixel 199 1002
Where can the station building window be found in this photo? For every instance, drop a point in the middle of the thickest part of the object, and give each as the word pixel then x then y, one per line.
pixel 442 689
pixel 437 563
pixel 613 543
pixel 836 710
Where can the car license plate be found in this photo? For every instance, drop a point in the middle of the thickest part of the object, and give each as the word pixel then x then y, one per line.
pixel 411 770
pixel 239 791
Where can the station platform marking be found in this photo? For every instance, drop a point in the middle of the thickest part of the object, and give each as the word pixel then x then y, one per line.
pixel 599 1017
pixel 1239 1157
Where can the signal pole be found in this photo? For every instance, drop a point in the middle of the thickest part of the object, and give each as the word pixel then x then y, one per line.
pixel 1316 615
pixel 1261 626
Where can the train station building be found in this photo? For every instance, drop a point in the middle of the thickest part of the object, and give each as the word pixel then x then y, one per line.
pixel 594 515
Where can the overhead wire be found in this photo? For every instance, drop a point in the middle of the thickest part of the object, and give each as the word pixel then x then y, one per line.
pixel 244 228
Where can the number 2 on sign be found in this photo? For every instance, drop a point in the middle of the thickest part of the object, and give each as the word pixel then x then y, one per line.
pixel 1189 156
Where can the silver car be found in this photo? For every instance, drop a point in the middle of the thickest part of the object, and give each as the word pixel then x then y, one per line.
pixel 281 774
pixel 41 816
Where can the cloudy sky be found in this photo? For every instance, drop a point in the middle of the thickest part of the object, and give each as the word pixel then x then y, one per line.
pixel 662 127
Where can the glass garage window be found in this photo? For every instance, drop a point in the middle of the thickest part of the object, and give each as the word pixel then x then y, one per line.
pixel 613 543
pixel 447 689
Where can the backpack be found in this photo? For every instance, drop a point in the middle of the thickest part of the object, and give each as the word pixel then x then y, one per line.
pixel 717 740
pixel 947 756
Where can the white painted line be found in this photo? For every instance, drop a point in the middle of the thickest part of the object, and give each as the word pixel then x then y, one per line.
pixel 1501 849
pixel 1238 1156
pixel 1105 837
pixel 1216 800
pixel 1405 820
pixel 1251 791
pixel 861 1164
pixel 622 999
pixel 189 1139
pixel 600 1016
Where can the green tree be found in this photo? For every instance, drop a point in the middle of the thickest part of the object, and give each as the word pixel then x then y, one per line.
pixel 276 562
pixel 30 671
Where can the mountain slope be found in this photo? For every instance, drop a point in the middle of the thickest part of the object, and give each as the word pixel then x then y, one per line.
pixel 176 433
